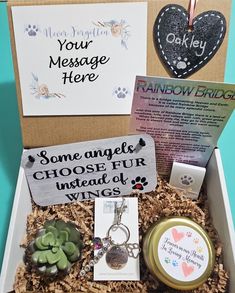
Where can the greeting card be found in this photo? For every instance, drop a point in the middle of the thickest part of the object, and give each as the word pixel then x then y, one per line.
pixel 79 59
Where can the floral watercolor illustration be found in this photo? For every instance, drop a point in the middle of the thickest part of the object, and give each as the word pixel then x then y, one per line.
pixel 42 90
pixel 118 29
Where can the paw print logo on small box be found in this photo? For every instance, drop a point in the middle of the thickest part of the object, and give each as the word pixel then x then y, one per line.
pixel 186 180
pixel 121 92
pixel 32 30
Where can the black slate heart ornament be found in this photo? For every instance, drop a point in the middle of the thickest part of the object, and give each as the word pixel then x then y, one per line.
pixel 185 51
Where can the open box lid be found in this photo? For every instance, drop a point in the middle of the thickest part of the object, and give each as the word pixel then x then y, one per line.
pixel 44 131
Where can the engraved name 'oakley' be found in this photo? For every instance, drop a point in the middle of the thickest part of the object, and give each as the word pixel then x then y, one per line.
pixel 187 42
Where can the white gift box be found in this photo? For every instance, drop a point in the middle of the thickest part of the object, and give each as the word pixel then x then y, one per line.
pixel 219 209
pixel 38 131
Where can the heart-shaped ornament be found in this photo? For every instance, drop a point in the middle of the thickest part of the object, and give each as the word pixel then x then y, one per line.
pixel 185 51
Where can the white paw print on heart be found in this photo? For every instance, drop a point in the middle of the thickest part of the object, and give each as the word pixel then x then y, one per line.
pixel 181 63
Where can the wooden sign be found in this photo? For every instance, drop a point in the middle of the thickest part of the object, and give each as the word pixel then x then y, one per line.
pixel 93 169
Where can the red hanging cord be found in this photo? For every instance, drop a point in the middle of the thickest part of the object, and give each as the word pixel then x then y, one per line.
pixel 192 7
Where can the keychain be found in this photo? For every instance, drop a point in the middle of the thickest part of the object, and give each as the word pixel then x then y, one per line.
pixel 117 254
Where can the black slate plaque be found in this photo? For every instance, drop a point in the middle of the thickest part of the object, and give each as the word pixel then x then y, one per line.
pixel 185 51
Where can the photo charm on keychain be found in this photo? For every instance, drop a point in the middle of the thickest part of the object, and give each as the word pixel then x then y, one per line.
pixel 118 253
pixel 116 242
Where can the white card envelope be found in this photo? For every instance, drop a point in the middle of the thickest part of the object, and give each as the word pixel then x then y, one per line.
pixel 79 59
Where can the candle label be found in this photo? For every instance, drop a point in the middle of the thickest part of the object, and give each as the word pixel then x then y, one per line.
pixel 183 253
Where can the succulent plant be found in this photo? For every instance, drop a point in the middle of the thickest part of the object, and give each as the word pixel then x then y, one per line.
pixel 56 246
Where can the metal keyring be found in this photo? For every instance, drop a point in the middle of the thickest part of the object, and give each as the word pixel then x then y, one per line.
pixel 119 226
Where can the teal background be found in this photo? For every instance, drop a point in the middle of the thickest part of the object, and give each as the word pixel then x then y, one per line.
pixel 10 136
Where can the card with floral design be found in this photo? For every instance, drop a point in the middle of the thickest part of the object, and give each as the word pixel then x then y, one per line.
pixel 79 59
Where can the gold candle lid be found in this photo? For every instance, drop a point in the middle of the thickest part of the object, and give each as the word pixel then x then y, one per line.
pixel 179 252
